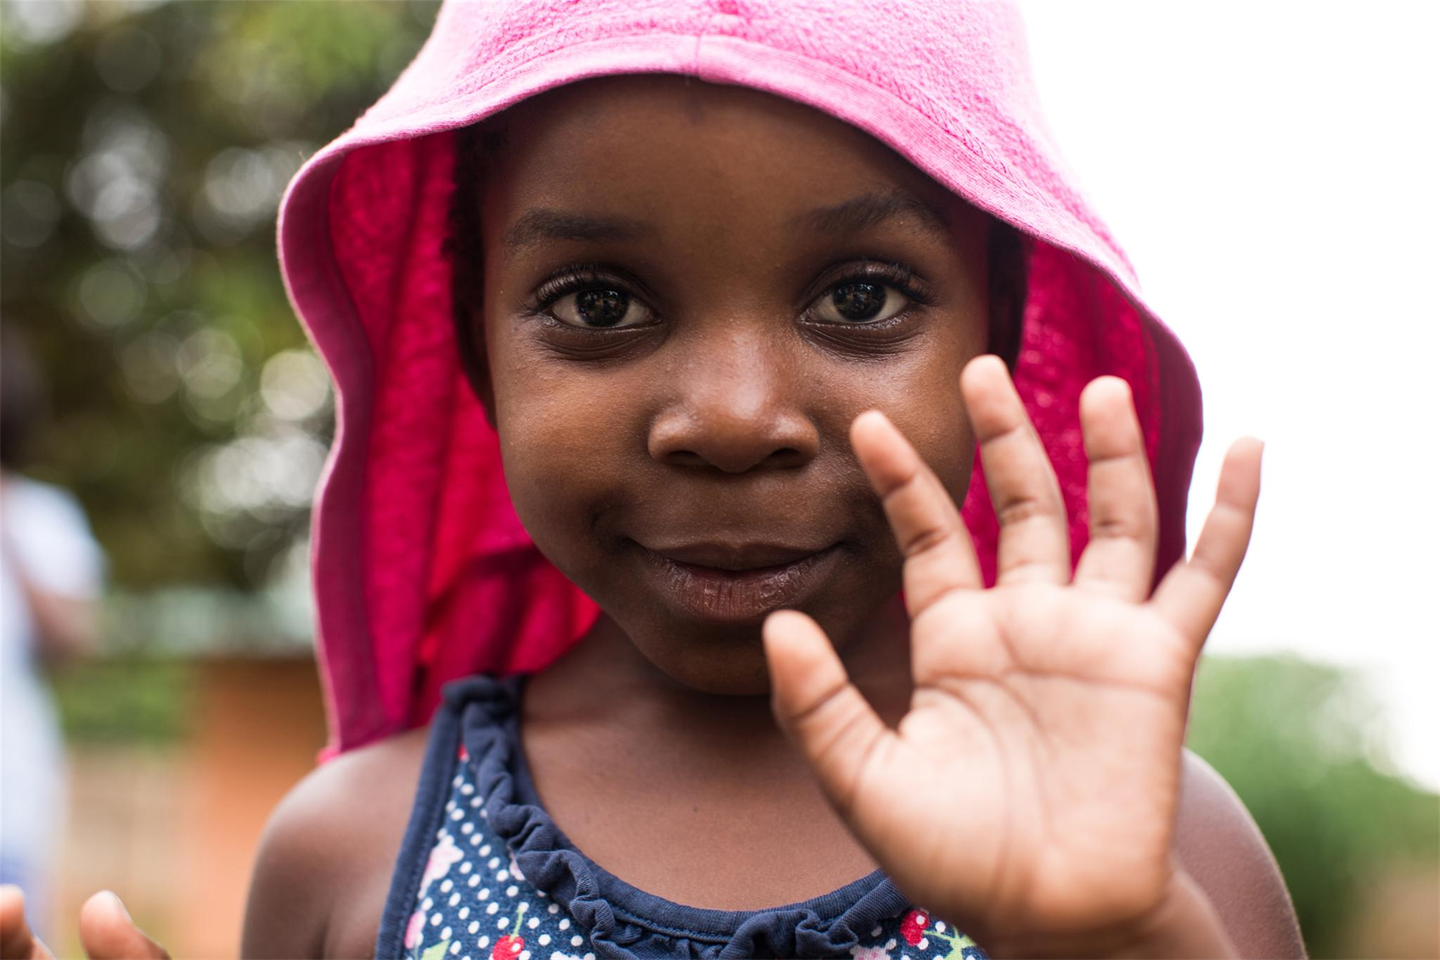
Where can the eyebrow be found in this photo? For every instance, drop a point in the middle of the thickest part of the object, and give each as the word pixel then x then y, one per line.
pixel 543 224
pixel 872 209
pixel 853 215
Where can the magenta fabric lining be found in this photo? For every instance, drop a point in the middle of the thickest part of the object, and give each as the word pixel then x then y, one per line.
pixel 422 571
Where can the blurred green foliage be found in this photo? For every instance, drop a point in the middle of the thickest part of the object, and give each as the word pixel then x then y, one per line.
pixel 1301 743
pixel 143 150
pixel 131 700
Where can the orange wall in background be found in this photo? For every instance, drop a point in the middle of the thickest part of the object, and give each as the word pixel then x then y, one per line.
pixel 258 727
pixel 174 832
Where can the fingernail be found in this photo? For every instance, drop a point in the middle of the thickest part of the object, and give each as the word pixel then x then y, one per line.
pixel 119 904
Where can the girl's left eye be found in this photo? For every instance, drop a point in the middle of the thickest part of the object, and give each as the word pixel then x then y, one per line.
pixel 599 308
pixel 860 302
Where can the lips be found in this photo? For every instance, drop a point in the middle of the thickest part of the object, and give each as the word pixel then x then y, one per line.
pixel 749 556
pixel 756 578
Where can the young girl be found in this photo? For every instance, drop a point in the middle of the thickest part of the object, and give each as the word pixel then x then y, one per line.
pixel 649 624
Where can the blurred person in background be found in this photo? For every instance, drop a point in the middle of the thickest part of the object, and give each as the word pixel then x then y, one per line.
pixel 51 572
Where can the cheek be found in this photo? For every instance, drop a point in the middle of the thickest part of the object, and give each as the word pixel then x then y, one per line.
pixel 930 413
pixel 943 439
pixel 564 449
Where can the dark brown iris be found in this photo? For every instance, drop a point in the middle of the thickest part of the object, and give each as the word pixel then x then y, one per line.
pixel 602 308
pixel 858 301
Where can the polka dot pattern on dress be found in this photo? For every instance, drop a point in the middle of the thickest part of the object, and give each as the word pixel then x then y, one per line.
pixel 474 902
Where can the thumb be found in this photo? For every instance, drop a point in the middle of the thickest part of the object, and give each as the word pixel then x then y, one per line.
pixel 817 706
pixel 108 933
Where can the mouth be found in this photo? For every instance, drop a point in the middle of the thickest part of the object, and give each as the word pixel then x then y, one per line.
pixel 736 584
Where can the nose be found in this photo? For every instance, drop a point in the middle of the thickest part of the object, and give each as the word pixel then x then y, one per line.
pixel 736 407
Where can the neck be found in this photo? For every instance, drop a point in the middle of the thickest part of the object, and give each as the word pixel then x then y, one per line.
pixel 630 762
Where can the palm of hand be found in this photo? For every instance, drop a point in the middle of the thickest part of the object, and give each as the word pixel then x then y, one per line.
pixel 1053 738
pixel 1031 789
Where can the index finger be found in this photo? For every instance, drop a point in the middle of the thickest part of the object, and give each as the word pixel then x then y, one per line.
pixel 939 556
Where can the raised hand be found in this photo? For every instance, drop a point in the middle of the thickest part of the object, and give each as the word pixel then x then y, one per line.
pixel 1029 794
pixel 106 931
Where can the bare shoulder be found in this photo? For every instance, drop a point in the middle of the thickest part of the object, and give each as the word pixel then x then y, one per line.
pixel 323 867
pixel 1224 852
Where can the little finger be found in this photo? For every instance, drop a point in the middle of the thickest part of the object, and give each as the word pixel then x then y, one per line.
pixel 1192 593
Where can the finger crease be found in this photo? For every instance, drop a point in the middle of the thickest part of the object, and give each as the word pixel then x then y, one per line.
pixel 926 540
pixel 1117 458
pixel 1018 511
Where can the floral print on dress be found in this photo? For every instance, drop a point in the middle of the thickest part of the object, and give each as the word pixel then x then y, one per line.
pixel 412 929
pixel 474 903
pixel 442 856
pixel 930 939
pixel 510 947
pixel 912 928
pixel 919 928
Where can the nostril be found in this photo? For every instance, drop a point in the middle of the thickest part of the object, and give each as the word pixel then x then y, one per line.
pixel 728 463
pixel 719 431
pixel 685 458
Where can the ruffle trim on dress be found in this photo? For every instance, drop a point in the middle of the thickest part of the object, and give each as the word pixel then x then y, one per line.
pixel 623 922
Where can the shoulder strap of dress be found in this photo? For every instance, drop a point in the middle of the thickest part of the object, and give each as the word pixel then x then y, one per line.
pixel 441 757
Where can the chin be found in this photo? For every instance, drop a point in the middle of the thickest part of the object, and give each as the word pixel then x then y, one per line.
pixel 725 663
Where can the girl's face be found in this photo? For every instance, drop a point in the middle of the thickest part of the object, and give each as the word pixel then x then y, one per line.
pixel 689 292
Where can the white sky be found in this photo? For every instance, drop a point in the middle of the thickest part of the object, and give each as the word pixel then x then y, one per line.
pixel 1273 170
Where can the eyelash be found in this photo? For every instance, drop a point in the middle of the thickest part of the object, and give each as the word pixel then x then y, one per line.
pixel 577 277
pixel 886 273
pixel 573 279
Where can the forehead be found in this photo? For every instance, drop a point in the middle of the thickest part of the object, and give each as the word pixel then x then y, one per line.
pixel 726 159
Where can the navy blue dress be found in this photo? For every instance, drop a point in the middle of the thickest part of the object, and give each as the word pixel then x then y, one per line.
pixel 484 874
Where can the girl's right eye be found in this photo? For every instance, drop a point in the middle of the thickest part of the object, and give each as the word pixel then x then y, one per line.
pixel 599 308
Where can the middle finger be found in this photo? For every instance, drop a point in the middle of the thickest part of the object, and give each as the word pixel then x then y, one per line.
pixel 1034 539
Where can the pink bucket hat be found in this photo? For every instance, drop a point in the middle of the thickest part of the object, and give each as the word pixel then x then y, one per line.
pixel 422 571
